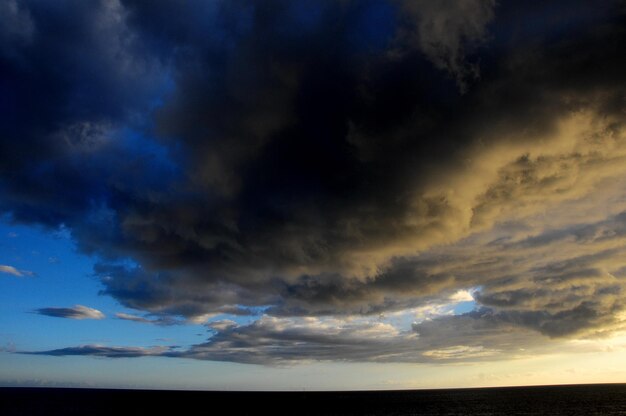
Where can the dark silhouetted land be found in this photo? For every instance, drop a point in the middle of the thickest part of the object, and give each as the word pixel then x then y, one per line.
pixel 596 399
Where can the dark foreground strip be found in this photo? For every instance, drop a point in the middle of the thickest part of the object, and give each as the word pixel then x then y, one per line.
pixel 598 399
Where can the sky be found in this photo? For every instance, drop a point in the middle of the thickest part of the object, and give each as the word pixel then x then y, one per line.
pixel 312 194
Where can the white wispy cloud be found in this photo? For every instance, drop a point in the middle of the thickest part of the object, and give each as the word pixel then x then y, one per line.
pixel 15 272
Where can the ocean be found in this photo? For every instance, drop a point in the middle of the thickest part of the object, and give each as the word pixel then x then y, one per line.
pixel 572 400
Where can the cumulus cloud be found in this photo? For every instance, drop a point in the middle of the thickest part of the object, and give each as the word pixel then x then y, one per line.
pixel 318 160
pixel 75 312
pixel 15 272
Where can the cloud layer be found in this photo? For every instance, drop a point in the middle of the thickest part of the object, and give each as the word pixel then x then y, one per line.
pixel 475 336
pixel 326 160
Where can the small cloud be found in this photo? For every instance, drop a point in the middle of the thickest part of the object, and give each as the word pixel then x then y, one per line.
pixel 63 233
pixel 222 325
pixel 200 319
pixel 8 347
pixel 134 318
pixel 103 351
pixel 462 296
pixel 159 321
pixel 460 352
pixel 76 312
pixel 53 260
pixel 12 235
pixel 15 272
pixel 10 270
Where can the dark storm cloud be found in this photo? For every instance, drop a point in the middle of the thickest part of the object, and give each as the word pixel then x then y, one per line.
pixel 326 157
pixel 76 312
pixel 69 77
pixel 311 173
